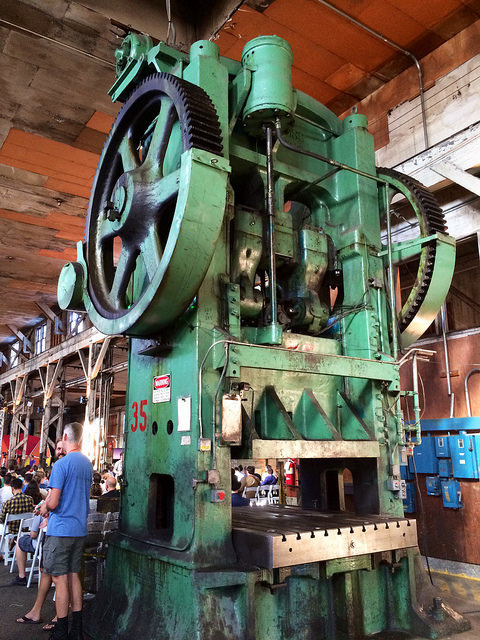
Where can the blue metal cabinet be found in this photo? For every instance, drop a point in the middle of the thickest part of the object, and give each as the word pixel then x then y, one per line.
pixel 425 458
pixel 463 449
pixel 434 487
pixel 452 496
pixel 409 501
pixel 445 468
pixel 442 446
pixel 405 473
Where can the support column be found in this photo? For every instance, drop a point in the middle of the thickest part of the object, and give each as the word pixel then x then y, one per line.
pixel 17 396
pixel 52 374
pixel 93 428
pixel 2 428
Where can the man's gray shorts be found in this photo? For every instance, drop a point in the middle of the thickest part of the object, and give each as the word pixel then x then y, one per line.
pixel 62 555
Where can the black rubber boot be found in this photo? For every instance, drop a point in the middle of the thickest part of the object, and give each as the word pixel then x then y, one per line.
pixel 60 630
pixel 76 630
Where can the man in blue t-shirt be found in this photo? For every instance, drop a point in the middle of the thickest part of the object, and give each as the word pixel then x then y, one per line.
pixel 67 504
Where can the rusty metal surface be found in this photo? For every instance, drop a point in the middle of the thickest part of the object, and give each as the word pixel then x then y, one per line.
pixel 315 449
pixel 232 419
pixel 280 536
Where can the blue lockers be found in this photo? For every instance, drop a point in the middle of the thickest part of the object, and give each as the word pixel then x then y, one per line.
pixel 445 468
pixel 409 501
pixel 442 448
pixel 465 451
pixel 452 496
pixel 434 487
pixel 425 457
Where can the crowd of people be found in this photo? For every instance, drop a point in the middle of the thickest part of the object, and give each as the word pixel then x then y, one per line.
pixel 245 478
pixel 59 496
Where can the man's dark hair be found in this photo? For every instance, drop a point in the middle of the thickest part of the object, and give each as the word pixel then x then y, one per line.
pixel 17 483
pixel 240 467
pixel 251 470
pixel 3 472
pixel 28 477
pixel 97 478
pixel 8 479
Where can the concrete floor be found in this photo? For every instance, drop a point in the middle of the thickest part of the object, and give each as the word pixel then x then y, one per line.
pixel 14 603
pixel 471 610
pixel 464 596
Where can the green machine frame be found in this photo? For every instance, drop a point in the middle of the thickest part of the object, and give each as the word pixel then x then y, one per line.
pixel 241 235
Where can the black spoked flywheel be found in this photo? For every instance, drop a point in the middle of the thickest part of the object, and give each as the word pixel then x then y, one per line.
pixel 138 196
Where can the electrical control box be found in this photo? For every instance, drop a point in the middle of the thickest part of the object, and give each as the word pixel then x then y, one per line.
pixel 445 468
pixel 452 495
pixel 442 446
pixel 409 501
pixel 424 457
pixel 463 450
pixel 434 487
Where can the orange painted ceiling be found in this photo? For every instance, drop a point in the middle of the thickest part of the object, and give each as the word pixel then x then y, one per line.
pixel 334 60
pixel 54 111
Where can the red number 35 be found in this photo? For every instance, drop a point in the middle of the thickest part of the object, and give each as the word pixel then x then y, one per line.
pixel 143 415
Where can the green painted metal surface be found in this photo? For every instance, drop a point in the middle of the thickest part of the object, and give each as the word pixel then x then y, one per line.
pixel 191 287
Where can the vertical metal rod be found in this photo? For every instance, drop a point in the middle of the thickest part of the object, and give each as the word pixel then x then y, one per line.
pixel 416 404
pixel 451 395
pixel 391 281
pixel 396 46
pixel 270 207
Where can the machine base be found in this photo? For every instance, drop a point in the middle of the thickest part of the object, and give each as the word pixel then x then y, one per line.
pixel 153 598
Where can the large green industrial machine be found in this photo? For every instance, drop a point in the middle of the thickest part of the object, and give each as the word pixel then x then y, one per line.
pixel 241 235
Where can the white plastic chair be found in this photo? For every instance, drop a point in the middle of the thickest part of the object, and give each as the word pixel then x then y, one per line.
pixel 262 497
pixel 37 558
pixel 24 524
pixel 273 494
pixel 9 540
pixel 251 493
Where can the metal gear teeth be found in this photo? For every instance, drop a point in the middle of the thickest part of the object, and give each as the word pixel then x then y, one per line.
pixel 434 219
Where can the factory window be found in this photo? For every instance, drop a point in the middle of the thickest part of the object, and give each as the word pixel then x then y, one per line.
pixel 40 339
pixel 76 323
pixel 160 505
pixel 15 353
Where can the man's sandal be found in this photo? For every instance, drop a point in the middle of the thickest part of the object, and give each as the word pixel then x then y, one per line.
pixel 25 620
pixel 49 626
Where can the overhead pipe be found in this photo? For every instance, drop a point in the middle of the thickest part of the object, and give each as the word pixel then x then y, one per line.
pixel 467 397
pixel 396 46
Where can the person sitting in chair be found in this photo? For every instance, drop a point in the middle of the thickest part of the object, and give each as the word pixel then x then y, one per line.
pixel 111 488
pixel 27 543
pixel 237 499
pixel 18 503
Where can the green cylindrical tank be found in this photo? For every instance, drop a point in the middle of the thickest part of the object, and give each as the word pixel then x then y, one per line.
pixel 269 58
